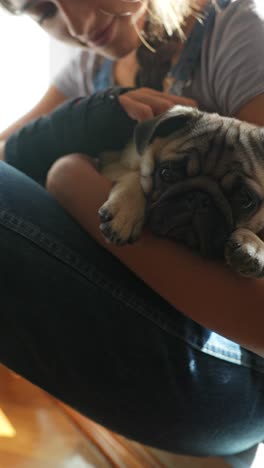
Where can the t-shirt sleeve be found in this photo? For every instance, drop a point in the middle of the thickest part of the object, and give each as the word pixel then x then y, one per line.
pixel 76 78
pixel 236 55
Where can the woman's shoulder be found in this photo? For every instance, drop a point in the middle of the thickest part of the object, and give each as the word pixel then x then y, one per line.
pixel 237 38
pixel 232 58
pixel 239 14
pixel 77 76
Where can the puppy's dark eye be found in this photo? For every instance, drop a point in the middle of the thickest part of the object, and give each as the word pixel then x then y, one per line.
pixel 245 201
pixel 172 172
pixel 167 175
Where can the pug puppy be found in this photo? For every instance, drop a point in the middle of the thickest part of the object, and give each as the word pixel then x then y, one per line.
pixel 193 177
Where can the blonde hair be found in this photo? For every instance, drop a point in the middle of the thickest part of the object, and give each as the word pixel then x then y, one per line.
pixel 167 15
pixel 171 14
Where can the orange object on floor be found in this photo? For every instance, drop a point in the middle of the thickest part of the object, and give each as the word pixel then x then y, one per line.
pixel 37 431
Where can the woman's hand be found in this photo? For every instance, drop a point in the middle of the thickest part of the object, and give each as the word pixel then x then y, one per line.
pixel 144 103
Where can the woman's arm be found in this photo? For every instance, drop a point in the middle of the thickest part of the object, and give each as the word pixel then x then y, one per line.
pixel 206 291
pixel 253 111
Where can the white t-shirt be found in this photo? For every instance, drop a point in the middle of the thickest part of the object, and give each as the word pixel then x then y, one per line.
pixel 230 71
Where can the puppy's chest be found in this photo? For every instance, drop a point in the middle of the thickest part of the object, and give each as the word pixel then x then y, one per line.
pixel 115 164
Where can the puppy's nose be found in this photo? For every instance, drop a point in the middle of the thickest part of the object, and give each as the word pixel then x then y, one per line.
pixel 209 223
pixel 194 219
pixel 199 200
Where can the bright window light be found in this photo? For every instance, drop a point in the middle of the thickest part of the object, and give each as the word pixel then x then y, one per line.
pixel 259 458
pixel 6 428
pixel 25 66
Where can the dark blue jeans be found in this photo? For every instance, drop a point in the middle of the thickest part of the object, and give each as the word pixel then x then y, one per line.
pixel 77 323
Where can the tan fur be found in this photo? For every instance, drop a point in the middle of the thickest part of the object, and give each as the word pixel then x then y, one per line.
pixel 220 149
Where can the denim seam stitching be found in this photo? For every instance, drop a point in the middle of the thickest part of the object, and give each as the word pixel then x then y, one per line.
pixel 66 256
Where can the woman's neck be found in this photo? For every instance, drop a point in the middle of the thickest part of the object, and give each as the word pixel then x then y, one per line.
pixel 126 68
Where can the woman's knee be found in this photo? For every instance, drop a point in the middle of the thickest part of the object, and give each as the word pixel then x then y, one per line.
pixel 64 171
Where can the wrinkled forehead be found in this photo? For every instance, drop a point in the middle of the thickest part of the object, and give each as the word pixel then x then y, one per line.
pixel 211 132
pixel 231 131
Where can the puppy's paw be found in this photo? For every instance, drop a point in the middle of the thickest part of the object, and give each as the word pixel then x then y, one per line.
pixel 244 253
pixel 122 217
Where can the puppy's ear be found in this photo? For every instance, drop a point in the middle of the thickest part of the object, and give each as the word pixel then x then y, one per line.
pixel 163 125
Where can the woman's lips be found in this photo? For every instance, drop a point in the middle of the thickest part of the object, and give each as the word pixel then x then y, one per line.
pixel 103 37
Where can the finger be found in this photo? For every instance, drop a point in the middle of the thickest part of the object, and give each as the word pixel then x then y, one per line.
pixel 179 99
pixel 135 109
pixel 182 100
pixel 145 103
pixel 168 96
pixel 158 103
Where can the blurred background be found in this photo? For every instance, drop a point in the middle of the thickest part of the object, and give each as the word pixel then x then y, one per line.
pixel 37 431
pixel 27 64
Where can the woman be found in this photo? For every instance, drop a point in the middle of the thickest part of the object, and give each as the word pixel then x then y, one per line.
pixel 91 332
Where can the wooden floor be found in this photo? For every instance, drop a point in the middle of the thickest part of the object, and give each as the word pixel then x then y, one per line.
pixel 36 431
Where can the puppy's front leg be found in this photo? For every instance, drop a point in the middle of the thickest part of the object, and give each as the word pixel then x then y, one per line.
pixel 244 252
pixel 122 215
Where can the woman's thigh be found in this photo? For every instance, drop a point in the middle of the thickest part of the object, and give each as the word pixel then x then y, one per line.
pixel 77 323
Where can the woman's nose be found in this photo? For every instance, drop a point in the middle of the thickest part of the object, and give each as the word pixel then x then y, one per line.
pixel 79 16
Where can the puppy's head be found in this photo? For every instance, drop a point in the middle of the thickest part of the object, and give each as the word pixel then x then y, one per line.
pixel 204 177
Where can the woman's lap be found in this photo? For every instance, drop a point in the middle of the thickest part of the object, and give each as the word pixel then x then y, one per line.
pixel 77 323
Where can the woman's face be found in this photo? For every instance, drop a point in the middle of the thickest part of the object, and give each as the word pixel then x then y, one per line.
pixel 104 25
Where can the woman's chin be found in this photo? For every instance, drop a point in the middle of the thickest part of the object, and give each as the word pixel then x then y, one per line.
pixel 118 52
